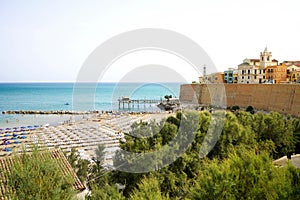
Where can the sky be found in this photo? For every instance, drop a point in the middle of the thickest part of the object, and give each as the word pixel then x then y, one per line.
pixel 48 41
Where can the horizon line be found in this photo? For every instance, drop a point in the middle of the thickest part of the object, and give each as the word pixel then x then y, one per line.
pixel 2 82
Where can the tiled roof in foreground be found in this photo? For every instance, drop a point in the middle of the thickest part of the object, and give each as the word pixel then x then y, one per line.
pixel 6 164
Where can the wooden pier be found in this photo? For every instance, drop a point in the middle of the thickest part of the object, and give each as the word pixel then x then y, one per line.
pixel 137 102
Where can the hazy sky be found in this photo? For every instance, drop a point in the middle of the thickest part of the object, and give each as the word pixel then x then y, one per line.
pixel 50 40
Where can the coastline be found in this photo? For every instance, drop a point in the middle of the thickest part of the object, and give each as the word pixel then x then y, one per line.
pixel 84 134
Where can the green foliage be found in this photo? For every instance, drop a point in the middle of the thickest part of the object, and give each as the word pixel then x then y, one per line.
pixel 82 169
pixel 250 109
pixel 149 188
pixel 96 172
pixel 254 137
pixel 243 175
pixel 178 115
pixel 106 192
pixel 235 108
pixel 233 134
pixel 79 165
pixel 238 167
pixel 38 177
pixel 173 120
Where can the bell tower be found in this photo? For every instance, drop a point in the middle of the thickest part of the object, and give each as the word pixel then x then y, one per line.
pixel 265 58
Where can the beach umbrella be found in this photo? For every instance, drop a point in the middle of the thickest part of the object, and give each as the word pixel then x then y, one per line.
pixel 29 126
pixel 7 149
pixel 8 130
pixel 17 142
pixel 36 126
pixel 14 138
pixel 1 129
pixel 23 137
pixel 23 133
pixel 7 135
pixel 15 135
pixel 23 127
pixel 6 142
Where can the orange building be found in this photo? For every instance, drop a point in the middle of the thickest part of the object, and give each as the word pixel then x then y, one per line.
pixel 217 77
pixel 276 74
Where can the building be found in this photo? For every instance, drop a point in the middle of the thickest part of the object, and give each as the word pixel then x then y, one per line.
pixel 266 59
pixel 249 74
pixel 217 77
pixel 276 74
pixel 235 76
pixel 292 73
pixel 289 62
pixel 201 79
pixel 230 75
pixel 295 76
pixel 253 71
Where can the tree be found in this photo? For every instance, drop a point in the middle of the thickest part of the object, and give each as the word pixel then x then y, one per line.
pixel 250 109
pixel 107 192
pixel 97 173
pixel 235 108
pixel 72 157
pixel 243 175
pixel 148 188
pixel 38 176
pixel 80 166
pixel 168 97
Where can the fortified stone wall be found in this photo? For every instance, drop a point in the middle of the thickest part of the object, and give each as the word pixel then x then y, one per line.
pixel 283 98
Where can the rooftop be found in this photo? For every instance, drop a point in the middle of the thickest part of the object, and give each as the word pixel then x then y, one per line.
pixel 6 163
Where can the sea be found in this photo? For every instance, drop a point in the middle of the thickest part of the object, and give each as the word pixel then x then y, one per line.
pixel 75 97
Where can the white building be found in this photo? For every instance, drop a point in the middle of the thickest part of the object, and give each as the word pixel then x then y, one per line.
pixel 252 71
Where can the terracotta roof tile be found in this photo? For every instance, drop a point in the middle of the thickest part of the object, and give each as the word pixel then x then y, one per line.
pixel 7 162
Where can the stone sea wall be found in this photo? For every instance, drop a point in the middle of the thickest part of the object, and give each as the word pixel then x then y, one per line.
pixel 283 98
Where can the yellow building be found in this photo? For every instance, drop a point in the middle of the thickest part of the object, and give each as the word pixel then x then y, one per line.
pixel 235 76
pixel 295 76
pixel 292 73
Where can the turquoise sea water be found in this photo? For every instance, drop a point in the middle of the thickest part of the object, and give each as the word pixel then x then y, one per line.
pixel 55 96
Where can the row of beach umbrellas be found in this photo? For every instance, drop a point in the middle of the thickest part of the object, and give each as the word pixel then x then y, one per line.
pixel 18 129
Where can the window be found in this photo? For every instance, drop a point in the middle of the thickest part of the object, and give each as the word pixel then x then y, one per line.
pixel 242 71
pixel 254 77
pixel 255 71
pixel 248 77
pixel 242 77
pixel 248 71
pixel 268 59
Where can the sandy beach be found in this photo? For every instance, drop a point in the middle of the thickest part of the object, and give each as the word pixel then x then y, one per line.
pixel 84 135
